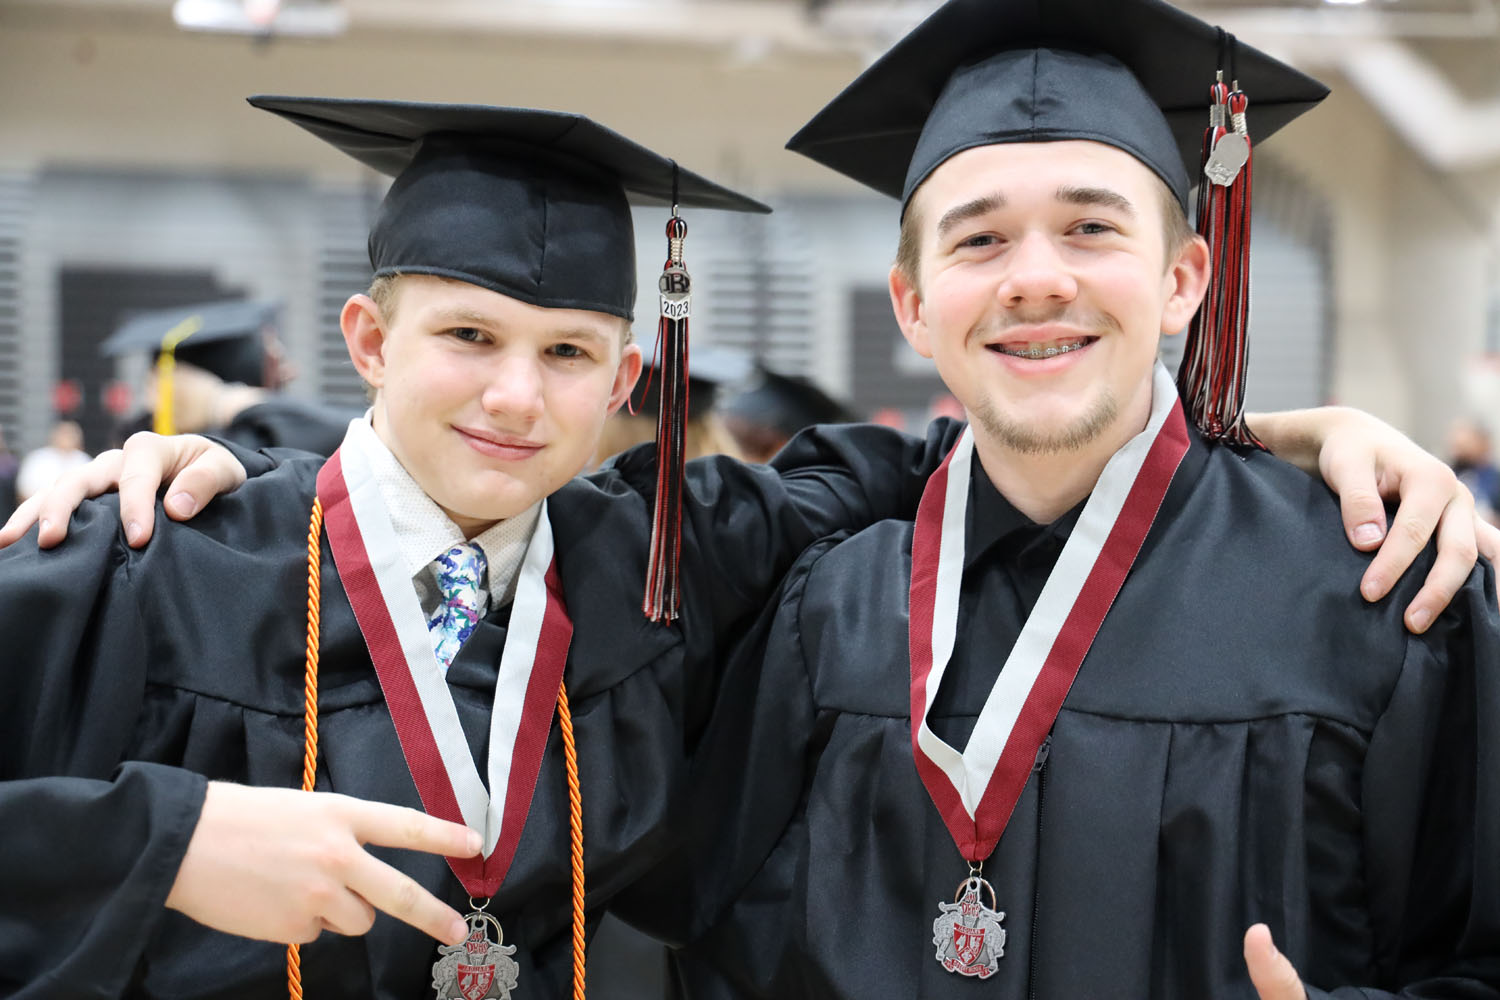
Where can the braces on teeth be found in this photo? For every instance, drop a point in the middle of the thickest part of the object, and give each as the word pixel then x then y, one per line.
pixel 1045 352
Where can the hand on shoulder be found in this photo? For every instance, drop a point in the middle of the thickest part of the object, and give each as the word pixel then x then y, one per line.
pixel 197 468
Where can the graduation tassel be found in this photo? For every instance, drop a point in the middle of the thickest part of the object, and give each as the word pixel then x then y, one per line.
pixel 662 598
pixel 1212 377
pixel 162 419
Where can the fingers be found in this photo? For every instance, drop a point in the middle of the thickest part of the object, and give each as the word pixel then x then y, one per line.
pixel 279 864
pixel 20 522
pixel 199 471
pixel 397 826
pixel 1424 500
pixel 1456 553
pixel 385 889
pixel 344 912
pixel 53 507
pixel 1273 976
pixel 207 475
pixel 1487 539
pixel 1352 476
pixel 393 892
pixel 142 467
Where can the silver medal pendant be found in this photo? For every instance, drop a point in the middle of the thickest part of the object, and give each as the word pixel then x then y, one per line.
pixel 478 968
pixel 968 935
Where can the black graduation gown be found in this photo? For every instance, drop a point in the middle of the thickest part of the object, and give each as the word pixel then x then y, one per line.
pixel 130 676
pixel 277 421
pixel 280 421
pixel 1246 741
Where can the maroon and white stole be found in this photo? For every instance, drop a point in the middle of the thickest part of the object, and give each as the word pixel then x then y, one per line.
pixel 976 791
pixel 395 631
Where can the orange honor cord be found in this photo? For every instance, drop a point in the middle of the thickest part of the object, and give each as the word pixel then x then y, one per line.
pixel 309 701
pixel 310 760
pixel 575 829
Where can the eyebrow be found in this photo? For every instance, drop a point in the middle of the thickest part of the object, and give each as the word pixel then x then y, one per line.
pixel 460 316
pixel 1103 197
pixel 959 214
pixel 582 333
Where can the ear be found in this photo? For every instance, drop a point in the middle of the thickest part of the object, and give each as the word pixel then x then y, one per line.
pixel 906 303
pixel 364 335
pixel 1186 281
pixel 625 376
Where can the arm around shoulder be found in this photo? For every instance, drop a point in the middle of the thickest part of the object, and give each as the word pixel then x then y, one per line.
pixel 744 525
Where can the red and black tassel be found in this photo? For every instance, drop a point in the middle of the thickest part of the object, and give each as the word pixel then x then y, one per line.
pixel 662 595
pixel 1212 377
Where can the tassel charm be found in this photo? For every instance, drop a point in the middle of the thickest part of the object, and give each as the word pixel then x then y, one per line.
pixel 1212 377
pixel 662 596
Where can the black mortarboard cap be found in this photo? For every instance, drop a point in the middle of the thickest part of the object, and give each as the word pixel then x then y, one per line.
pixel 1133 74
pixel 227 338
pixel 531 204
pixel 784 403
pixel 710 367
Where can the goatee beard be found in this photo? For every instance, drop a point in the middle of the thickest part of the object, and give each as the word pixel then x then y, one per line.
pixel 1024 439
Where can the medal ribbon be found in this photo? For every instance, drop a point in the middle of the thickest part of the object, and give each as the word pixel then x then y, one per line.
pixel 976 791
pixel 390 618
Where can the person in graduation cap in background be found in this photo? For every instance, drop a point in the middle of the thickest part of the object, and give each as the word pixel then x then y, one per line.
pixel 217 368
pixel 770 408
pixel 1104 720
pixel 395 625
pixel 712 371
pixel 643 690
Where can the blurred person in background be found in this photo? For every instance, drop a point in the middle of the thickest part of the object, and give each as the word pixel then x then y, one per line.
pixel 711 370
pixel 41 467
pixel 772 408
pixel 9 466
pixel 1471 453
pixel 217 368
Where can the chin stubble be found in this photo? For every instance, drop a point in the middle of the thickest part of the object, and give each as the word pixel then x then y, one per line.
pixel 1026 439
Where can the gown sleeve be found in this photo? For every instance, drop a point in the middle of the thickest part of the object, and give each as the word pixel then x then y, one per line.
pixel 260 460
pixel 1432 813
pixel 744 525
pixel 90 846
pixel 747 778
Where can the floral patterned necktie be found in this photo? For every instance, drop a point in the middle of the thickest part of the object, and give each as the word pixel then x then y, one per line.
pixel 460 574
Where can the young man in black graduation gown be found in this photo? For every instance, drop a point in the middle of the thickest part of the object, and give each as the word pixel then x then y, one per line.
pixel 497 342
pixel 1246 742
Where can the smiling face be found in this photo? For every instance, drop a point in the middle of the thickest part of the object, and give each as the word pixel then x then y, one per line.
pixel 1042 286
pixel 490 403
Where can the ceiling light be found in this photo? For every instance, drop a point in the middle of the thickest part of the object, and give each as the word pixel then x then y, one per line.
pixel 304 18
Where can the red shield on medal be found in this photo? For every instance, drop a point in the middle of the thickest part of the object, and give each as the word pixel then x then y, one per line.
pixel 967 942
pixel 474 980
